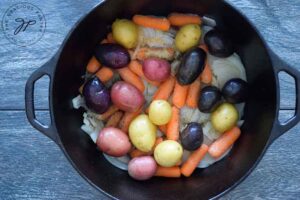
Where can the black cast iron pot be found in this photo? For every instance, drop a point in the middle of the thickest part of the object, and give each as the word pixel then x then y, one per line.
pixel 261 125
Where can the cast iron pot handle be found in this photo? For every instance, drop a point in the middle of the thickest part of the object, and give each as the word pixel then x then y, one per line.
pixel 281 66
pixel 46 69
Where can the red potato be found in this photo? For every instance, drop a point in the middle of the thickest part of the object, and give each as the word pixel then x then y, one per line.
pixel 126 96
pixel 113 142
pixel 156 69
pixel 142 168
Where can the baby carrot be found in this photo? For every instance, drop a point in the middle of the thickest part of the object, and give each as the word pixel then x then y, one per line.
pixel 173 125
pixel 217 148
pixel 114 119
pixel 126 120
pixel 110 38
pixel 160 23
pixel 111 110
pixel 206 75
pixel 137 68
pixel 204 47
pixel 179 95
pixel 180 19
pixel 93 65
pixel 171 172
pixel 105 74
pixel 137 153
pixel 193 160
pixel 165 89
pixel 130 77
pixel 193 94
pixel 157 141
pixel 163 53
pixel 163 128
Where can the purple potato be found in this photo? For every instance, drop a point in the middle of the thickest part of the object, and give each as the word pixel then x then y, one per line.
pixel 209 99
pixel 235 90
pixel 192 136
pixel 112 55
pixel 96 95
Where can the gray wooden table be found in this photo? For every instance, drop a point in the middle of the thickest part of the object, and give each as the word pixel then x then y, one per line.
pixel 33 167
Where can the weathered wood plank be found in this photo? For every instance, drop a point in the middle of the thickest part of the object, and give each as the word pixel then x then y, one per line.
pixel 280 27
pixel 33 167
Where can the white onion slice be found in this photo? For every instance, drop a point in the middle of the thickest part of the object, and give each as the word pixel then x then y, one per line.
pixel 78 102
pixel 209 21
pixel 119 162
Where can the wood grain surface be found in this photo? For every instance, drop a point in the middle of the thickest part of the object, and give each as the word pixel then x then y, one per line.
pixel 33 167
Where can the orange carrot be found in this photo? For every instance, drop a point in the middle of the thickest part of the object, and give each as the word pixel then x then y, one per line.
pixel 163 128
pixel 171 172
pixel 108 113
pixel 173 125
pixel 114 119
pixel 137 153
pixel 180 19
pixel 126 120
pixel 218 148
pixel 105 74
pixel 81 88
pixel 193 94
pixel 104 41
pixel 147 110
pixel 206 75
pixel 93 65
pixel 130 77
pixel 110 38
pixel 160 23
pixel 204 47
pixel 163 53
pixel 179 95
pixel 137 68
pixel 165 89
pixel 157 142
pixel 193 160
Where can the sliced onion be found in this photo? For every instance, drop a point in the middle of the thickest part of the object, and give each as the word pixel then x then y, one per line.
pixel 119 162
pixel 209 21
pixel 210 132
pixel 78 102
pixel 208 160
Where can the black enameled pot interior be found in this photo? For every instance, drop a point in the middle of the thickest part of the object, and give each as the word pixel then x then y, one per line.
pixel 259 113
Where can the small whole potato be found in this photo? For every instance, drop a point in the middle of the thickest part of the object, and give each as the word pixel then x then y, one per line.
pixel 224 117
pixel 142 133
pixel 168 153
pixel 160 112
pixel 187 37
pixel 125 32
pixel 126 96
pixel 113 142
pixel 142 168
pixel 156 69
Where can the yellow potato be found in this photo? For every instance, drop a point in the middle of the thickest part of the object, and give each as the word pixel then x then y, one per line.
pixel 142 133
pixel 168 153
pixel 160 112
pixel 187 37
pixel 125 32
pixel 224 117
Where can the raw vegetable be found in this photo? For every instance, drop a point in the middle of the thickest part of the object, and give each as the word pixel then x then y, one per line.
pixel 180 95
pixel 125 32
pixel 191 66
pixel 93 65
pixel 130 77
pixel 180 19
pixel 156 69
pixel 194 159
pixel 112 55
pixel 160 23
pixel 105 74
pixel 142 133
pixel 163 53
pixel 126 97
pixel 119 162
pixel 173 125
pixel 142 168
pixel 222 144
pixel 113 142
pixel 187 37
pixel 165 89
pixel 170 172
pixel 111 110
pixel 235 90
pixel 206 75
pixel 168 153
pixel 126 120
pixel 193 94
pixel 114 119
pixel 160 112
pixel 97 97
pixel 209 99
pixel 224 117
pixel 137 153
pixel 155 38
pixel 192 136
pixel 163 128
